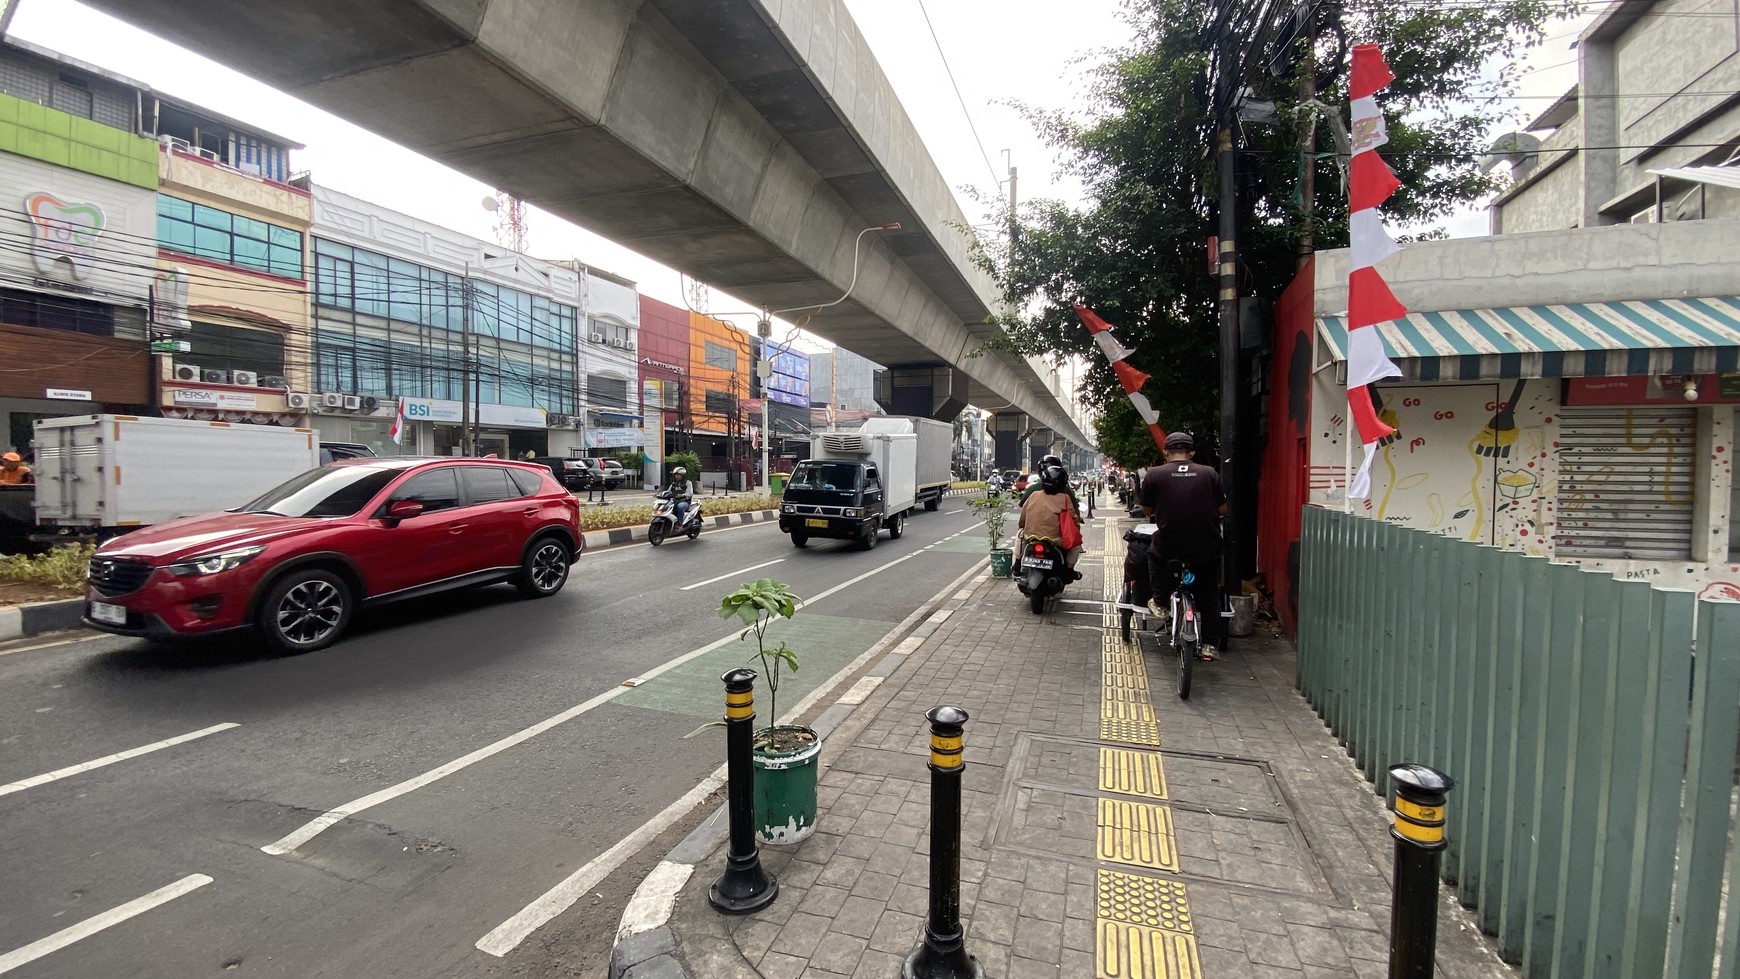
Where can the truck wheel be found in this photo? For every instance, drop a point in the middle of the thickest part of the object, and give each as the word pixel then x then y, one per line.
pixel 933 503
pixel 874 530
pixel 897 526
pixel 799 538
pixel 305 610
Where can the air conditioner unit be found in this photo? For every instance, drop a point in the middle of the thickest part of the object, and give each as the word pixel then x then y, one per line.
pixel 1645 216
pixel 275 381
pixel 247 379
pixel 331 400
pixel 187 372
pixel 557 421
pixel 619 342
pixel 206 154
pixel 298 399
pixel 370 403
pixel 214 377
pixel 597 338
pixel 352 402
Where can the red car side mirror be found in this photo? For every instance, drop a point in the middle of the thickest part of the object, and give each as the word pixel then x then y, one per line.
pixel 401 509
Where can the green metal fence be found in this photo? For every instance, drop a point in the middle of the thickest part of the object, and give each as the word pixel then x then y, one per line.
pixel 1594 751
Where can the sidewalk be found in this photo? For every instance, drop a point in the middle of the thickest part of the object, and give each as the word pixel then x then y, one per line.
pixel 1110 829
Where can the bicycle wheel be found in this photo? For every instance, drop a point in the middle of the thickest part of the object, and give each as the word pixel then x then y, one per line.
pixel 1185 639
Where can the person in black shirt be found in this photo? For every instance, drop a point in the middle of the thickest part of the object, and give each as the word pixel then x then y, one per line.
pixel 1186 501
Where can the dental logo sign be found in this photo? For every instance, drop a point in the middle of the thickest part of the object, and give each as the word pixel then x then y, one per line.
pixel 64 233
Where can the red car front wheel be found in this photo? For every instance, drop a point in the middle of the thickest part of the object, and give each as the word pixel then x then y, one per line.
pixel 305 610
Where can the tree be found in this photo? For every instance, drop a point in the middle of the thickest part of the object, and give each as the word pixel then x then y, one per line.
pixel 1137 252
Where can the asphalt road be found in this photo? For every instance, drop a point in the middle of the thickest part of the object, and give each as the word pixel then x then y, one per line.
pixel 443 838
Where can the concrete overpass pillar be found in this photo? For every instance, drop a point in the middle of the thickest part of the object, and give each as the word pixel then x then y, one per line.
pixel 923 390
pixel 1039 445
pixel 1008 430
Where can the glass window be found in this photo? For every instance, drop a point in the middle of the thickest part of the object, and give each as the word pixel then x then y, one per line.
pixel 436 489
pixel 330 491
pixel 211 233
pixel 720 356
pixel 487 484
pixel 528 482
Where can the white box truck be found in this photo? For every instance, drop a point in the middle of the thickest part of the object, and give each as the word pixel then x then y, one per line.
pixel 931 475
pixel 106 474
pixel 857 484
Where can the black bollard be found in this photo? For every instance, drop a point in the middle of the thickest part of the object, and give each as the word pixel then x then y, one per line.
pixel 944 952
pixel 1419 833
pixel 744 887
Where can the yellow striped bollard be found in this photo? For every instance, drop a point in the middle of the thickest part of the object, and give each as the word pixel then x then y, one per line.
pixel 1419 835
pixel 943 955
pixel 744 887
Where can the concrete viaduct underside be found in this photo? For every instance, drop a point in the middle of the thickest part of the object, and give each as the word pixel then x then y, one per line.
pixel 745 142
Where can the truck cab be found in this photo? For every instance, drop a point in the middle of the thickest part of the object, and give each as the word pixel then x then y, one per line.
pixel 842 499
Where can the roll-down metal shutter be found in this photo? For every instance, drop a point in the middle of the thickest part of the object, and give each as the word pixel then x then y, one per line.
pixel 1625 483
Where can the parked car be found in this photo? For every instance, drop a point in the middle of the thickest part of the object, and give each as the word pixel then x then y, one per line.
pixel 601 473
pixel 298 561
pixel 334 451
pixel 614 473
pixel 571 473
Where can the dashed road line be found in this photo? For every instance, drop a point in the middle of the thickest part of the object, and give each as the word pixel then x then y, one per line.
pixel 731 574
pixel 96 923
pixel 95 763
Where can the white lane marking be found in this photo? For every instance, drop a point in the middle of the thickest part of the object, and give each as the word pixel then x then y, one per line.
pixel 860 690
pixel 108 919
pixel 560 898
pixel 950 512
pixel 50 645
pixel 60 773
pixel 729 574
pixel 654 900
pixel 333 817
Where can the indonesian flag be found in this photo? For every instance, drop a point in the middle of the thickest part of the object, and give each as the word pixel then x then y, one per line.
pixel 397 432
pixel 1369 300
pixel 1129 377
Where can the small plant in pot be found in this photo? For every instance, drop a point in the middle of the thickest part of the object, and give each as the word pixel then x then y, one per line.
pixel 994 509
pixel 784 755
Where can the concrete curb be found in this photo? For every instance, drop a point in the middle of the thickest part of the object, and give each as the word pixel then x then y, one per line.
pixel 634 535
pixel 35 618
pixel 646 947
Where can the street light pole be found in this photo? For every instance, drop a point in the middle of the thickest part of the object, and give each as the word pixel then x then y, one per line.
pixel 764 370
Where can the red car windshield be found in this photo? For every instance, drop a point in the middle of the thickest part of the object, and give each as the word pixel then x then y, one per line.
pixel 331 491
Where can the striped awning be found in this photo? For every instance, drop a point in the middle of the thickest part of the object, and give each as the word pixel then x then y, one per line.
pixel 1648 336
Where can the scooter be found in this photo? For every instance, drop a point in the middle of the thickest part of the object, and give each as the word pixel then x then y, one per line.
pixel 664 520
pixel 1132 603
pixel 1040 573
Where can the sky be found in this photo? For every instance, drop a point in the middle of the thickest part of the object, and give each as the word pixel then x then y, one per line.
pixel 995 52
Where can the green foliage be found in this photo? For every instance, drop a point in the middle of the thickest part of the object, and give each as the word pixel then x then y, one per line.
pixel 995 512
pixel 1137 251
pixel 63 568
pixel 688 460
pixel 758 604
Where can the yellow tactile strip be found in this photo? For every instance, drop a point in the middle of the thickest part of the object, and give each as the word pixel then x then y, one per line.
pixel 1132 773
pixel 1138 834
pixel 1142 927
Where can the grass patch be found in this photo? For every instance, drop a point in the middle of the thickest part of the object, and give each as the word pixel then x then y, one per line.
pixel 612 517
pixel 63 568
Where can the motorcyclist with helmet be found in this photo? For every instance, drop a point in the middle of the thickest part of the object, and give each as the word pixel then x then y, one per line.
pixel 682 490
pixel 1041 512
pixel 1047 463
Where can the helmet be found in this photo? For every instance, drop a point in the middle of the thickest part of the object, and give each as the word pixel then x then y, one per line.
pixel 1054 479
pixel 1180 440
pixel 1049 461
pixel 679 472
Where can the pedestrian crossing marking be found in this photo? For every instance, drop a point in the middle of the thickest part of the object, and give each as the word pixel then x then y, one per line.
pixel 1132 772
pixel 1138 834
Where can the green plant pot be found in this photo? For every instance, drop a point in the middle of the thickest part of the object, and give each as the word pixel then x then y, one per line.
pixel 785 792
pixel 1002 559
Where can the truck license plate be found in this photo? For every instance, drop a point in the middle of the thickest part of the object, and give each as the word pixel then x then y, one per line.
pixel 112 614
pixel 813 522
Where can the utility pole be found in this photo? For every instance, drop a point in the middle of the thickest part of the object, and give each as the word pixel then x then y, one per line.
pixel 1014 222
pixel 764 370
pixel 1229 305
pixel 1308 143
pixel 465 363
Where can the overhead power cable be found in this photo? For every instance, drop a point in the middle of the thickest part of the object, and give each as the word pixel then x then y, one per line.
pixel 995 180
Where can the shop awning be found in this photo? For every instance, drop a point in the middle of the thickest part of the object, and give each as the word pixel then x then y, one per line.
pixel 620 416
pixel 1649 336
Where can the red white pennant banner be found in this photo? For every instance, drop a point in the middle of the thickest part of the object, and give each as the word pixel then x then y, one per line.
pixel 1129 377
pixel 1369 300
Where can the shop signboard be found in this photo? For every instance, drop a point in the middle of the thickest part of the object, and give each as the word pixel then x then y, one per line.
pixel 615 438
pixel 64 232
pixel 200 398
pixel 447 413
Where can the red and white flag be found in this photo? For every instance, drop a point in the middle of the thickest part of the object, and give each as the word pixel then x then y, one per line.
pixel 397 432
pixel 1129 377
pixel 1369 300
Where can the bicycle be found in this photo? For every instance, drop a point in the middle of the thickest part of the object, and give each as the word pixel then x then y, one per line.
pixel 1185 625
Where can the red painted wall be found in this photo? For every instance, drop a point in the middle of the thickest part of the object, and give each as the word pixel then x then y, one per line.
pixel 1286 454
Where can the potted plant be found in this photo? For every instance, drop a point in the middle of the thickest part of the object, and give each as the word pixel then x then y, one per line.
pixel 784 755
pixel 994 509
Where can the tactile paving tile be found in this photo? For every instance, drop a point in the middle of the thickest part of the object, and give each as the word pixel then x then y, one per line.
pixel 1132 772
pixel 1137 900
pixel 1130 732
pixel 1138 834
pixel 1138 952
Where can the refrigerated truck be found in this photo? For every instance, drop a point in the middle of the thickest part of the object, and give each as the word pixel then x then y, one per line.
pixel 100 475
pixel 857 484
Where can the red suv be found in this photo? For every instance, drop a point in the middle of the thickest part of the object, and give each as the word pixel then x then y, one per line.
pixel 298 561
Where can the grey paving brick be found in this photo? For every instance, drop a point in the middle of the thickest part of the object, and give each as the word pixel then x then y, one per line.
pixel 777 965
pixel 858 917
pixel 801 934
pixel 897 931
pixel 1038 939
pixel 838 953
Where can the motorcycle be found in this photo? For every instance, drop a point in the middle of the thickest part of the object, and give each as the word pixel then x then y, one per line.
pixel 1040 572
pixel 664 520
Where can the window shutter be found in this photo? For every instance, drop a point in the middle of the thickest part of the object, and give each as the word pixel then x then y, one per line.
pixel 1625 483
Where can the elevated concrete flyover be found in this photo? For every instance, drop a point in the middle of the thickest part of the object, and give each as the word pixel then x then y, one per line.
pixel 746 142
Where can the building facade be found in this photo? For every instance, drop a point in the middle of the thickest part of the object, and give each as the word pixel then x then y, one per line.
pixel 787 391
pixel 843 383
pixel 1649 133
